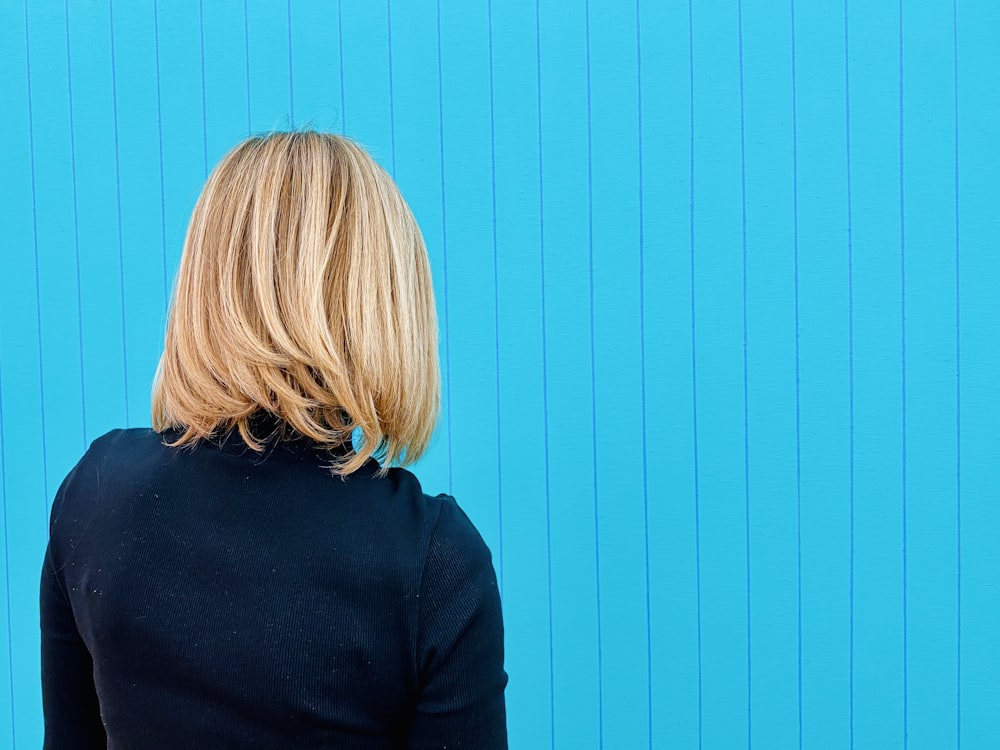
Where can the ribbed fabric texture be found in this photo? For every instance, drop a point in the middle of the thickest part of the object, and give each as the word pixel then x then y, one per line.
pixel 218 598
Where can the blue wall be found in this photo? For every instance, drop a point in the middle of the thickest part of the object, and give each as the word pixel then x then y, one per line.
pixel 719 288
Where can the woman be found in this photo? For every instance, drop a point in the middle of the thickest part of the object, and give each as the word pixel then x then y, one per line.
pixel 247 574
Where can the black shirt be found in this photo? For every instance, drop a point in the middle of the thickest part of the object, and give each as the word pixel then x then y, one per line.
pixel 214 597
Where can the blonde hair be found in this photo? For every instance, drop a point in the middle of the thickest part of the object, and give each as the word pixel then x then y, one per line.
pixel 304 292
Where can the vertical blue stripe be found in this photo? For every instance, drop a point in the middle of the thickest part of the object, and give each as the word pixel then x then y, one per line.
pixel 979 167
pixel 496 285
pixel 798 410
pixel 746 399
pixel 850 345
pixel 204 107
pixel 798 419
pixel 444 246
pixel 417 168
pixel 719 348
pixel 7 568
pixel 270 73
pixel 246 53
pixel 291 78
pixel 671 660
pixel 509 327
pixel 468 270
pixel 593 379
pixel 118 204
pixel 76 227
pixel 811 562
pixel 958 403
pixel 879 609
pixel 545 376
pixel 902 321
pixel 34 228
pixel 314 71
pixel 392 104
pixel 577 682
pixel 767 517
pixel 642 371
pixel 694 377
pixel 928 222
pixel 229 53
pixel 340 52
pixel 181 120
pixel 615 360
pixel 139 200
pixel 159 147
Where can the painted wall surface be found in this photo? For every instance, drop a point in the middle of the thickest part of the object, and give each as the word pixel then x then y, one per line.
pixel 719 286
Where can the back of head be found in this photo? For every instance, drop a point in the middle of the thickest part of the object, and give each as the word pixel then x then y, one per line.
pixel 304 292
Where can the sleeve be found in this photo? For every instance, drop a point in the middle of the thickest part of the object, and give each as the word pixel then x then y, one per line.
pixel 460 642
pixel 69 697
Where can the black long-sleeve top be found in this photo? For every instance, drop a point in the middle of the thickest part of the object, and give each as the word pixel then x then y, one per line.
pixel 213 597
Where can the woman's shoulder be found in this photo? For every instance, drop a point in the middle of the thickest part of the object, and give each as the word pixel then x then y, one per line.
pixel 106 456
pixel 118 446
pixel 122 443
pixel 452 521
pixel 454 541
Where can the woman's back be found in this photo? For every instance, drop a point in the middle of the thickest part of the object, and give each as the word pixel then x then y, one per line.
pixel 230 598
pixel 251 572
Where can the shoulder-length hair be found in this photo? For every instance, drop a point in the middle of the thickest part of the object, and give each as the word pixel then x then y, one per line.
pixel 304 293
